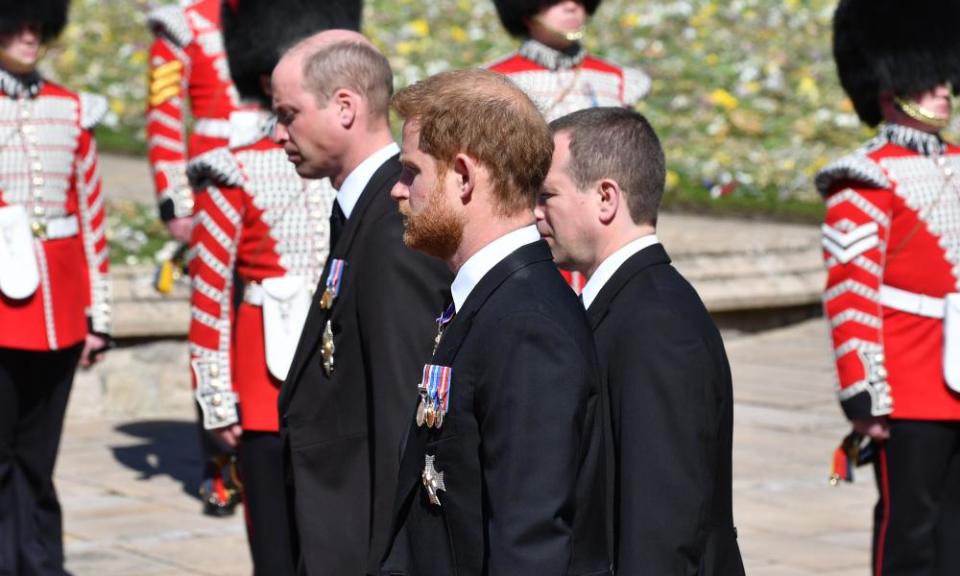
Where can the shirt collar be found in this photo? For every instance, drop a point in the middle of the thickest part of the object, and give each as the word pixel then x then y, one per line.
pixel 477 266
pixel 913 139
pixel 551 58
pixel 611 264
pixel 20 85
pixel 352 187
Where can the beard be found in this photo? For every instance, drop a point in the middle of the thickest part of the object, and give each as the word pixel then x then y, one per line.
pixel 435 231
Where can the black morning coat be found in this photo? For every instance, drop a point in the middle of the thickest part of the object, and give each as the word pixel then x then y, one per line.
pixel 670 418
pixel 342 433
pixel 521 448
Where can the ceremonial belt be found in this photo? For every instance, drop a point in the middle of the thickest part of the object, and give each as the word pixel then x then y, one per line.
pixel 253 294
pixel 912 303
pixel 212 128
pixel 57 228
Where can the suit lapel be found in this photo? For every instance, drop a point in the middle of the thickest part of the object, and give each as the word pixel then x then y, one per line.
pixel 650 256
pixel 412 460
pixel 317 317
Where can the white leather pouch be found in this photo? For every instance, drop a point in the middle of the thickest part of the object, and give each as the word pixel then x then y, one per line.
pixel 951 341
pixel 19 274
pixel 286 301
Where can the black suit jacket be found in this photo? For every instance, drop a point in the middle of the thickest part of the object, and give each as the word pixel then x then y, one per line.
pixel 342 433
pixel 521 446
pixel 670 408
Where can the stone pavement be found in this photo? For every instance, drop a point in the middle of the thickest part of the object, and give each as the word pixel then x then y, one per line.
pixel 127 471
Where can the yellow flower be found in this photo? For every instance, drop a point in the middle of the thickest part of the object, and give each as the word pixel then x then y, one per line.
pixel 68 57
pixel 420 27
pixel 458 34
pixel 703 15
pixel 712 59
pixel 723 99
pixel 673 179
pixel 808 89
pixel 139 57
pixel 117 106
pixel 405 47
pixel 629 20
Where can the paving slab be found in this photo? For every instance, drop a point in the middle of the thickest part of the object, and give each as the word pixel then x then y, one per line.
pixel 127 475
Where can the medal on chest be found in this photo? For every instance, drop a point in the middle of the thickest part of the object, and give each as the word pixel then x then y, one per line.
pixel 330 293
pixel 332 287
pixel 432 480
pixel 434 390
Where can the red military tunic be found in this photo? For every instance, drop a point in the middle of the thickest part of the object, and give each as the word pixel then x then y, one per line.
pixel 258 217
pixel 893 221
pixel 49 165
pixel 560 84
pixel 187 60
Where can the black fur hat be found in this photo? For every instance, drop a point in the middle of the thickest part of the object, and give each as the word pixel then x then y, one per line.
pixel 514 12
pixel 895 46
pixel 256 33
pixel 50 15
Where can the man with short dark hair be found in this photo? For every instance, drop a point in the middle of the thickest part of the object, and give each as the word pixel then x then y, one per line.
pixel 345 402
pixel 502 470
pixel 670 398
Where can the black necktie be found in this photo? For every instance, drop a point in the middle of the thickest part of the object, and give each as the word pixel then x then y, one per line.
pixel 337 220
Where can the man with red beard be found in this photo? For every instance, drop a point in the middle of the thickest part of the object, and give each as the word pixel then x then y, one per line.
pixel 348 394
pixel 502 469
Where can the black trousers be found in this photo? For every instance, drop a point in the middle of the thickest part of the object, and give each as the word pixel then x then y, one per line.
pixel 264 495
pixel 917 518
pixel 34 388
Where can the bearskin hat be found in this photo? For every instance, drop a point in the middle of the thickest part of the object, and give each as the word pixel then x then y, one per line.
pixel 256 33
pixel 891 46
pixel 514 12
pixel 50 15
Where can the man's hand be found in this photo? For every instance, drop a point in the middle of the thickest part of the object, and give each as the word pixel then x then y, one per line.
pixel 180 228
pixel 228 435
pixel 875 427
pixel 93 349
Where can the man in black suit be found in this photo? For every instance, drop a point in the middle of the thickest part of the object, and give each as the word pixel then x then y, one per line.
pixel 667 380
pixel 502 470
pixel 345 404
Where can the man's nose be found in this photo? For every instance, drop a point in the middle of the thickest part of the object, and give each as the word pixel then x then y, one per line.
pixel 399 192
pixel 280 133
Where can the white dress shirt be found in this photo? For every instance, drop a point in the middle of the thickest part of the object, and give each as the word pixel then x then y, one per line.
pixel 357 180
pixel 477 266
pixel 611 264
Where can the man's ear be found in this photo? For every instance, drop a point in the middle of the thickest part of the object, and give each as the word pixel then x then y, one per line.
pixel 348 104
pixel 466 171
pixel 611 200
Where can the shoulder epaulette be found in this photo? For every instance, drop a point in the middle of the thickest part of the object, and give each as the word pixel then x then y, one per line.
pixel 857 167
pixel 636 85
pixel 218 165
pixel 171 21
pixel 93 108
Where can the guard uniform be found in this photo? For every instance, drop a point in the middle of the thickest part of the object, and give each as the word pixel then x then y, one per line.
pixel 257 221
pixel 891 242
pixel 187 61
pixel 262 231
pixel 54 286
pixel 561 82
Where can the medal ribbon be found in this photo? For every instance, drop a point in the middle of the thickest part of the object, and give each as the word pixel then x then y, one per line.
pixel 335 276
pixel 436 385
pixel 447 316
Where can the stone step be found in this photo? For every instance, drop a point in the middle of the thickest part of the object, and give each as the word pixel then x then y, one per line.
pixel 735 265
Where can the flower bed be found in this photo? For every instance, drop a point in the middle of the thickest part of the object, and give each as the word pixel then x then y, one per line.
pixel 745 95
